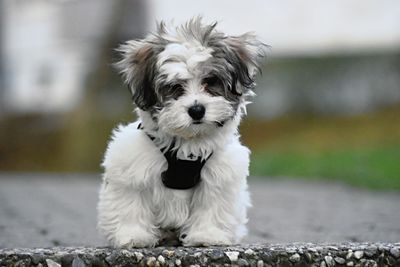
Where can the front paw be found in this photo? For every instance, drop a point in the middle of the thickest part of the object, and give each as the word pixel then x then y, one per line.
pixel 134 237
pixel 206 237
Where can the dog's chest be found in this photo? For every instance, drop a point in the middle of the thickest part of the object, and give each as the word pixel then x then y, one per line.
pixel 173 208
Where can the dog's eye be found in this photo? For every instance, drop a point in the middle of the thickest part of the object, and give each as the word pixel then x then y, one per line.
pixel 176 87
pixel 212 81
pixel 214 86
pixel 176 90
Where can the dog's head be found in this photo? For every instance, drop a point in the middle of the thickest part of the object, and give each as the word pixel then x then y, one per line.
pixel 191 79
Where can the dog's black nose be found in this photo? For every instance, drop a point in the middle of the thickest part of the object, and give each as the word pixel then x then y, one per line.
pixel 197 111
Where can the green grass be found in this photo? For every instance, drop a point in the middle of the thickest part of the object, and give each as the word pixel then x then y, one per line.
pixel 360 150
pixel 377 168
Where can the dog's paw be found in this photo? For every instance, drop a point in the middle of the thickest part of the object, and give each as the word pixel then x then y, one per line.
pixel 135 237
pixel 205 238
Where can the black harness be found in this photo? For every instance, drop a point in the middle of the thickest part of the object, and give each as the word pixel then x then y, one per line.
pixel 181 174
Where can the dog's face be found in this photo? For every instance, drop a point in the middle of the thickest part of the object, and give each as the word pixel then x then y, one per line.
pixel 192 79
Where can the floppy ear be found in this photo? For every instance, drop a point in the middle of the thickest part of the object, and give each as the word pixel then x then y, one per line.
pixel 247 52
pixel 137 67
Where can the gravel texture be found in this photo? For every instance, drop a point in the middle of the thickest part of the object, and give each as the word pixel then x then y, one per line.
pixel 297 254
pixel 57 210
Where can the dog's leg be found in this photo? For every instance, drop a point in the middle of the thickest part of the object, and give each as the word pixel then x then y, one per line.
pixel 218 216
pixel 125 216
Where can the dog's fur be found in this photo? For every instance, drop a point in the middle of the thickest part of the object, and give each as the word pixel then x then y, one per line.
pixel 167 73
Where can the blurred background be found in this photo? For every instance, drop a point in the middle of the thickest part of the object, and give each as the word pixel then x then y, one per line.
pixel 327 105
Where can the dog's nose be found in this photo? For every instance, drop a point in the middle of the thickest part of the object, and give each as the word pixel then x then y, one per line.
pixel 197 111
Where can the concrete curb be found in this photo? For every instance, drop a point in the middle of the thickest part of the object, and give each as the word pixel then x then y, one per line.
pixel 297 254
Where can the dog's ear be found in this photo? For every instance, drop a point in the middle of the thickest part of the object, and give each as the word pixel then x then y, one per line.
pixel 246 52
pixel 137 67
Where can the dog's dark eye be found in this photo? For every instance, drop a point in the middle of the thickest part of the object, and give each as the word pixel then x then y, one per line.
pixel 214 86
pixel 176 87
pixel 176 90
pixel 212 81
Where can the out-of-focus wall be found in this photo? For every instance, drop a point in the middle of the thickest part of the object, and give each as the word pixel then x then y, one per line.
pixel 328 85
pixel 50 49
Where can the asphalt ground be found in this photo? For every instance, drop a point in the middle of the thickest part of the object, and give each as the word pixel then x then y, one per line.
pixel 46 210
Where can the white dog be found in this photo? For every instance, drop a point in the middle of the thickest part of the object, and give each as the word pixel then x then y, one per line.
pixel 181 168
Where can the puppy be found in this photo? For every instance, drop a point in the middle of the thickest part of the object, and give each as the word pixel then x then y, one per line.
pixel 180 169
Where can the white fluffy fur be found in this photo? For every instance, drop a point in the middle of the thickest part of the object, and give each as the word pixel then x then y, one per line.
pixel 135 208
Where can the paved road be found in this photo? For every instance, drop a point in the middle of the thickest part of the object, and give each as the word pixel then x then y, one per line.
pixel 47 210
